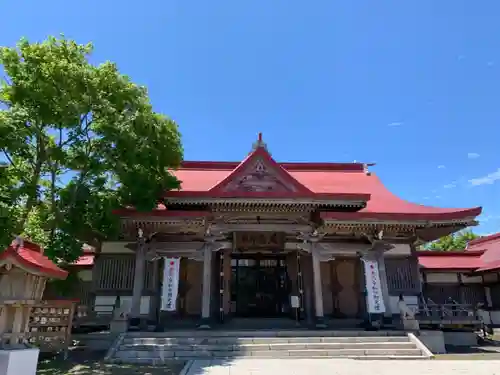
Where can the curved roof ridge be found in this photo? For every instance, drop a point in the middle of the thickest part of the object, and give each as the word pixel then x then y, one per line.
pixel 484 239
pixel 388 194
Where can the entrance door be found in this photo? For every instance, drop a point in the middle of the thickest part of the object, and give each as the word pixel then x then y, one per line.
pixel 259 286
pixel 345 287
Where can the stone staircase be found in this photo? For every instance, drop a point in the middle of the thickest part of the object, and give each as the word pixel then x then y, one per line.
pixel 155 348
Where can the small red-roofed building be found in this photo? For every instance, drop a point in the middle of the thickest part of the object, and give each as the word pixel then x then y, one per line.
pixel 262 238
pixel 468 276
pixel 29 257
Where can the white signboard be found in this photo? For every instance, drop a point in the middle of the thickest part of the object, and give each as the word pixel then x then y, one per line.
pixel 374 299
pixel 170 288
pixel 294 302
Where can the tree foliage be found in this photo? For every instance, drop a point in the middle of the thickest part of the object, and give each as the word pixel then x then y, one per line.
pixel 455 241
pixel 79 141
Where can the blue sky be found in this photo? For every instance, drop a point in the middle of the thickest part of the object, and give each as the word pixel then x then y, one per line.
pixel 410 85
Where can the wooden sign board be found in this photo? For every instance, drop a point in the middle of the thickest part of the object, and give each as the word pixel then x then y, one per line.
pixel 259 240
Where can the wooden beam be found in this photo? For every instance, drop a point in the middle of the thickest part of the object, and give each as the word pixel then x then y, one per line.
pixel 183 247
pixel 287 228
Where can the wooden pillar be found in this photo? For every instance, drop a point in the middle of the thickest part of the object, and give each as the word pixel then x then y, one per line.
pixel 139 275
pixel 318 288
pixel 207 283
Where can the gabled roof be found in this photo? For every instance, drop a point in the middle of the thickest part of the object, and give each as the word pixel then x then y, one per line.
pixel 481 255
pixel 347 181
pixel 450 260
pixel 29 256
pixel 257 176
pixel 490 245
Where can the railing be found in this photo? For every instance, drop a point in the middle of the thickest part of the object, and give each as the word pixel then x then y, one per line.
pixel 447 315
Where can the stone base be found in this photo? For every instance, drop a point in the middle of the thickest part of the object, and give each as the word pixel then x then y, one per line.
pixel 204 324
pixel 411 325
pixel 19 361
pixel 460 338
pixel 135 324
pixel 433 340
pixel 118 326
pixel 387 320
pixel 320 322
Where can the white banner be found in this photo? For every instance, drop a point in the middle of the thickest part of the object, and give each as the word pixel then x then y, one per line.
pixel 171 268
pixel 374 298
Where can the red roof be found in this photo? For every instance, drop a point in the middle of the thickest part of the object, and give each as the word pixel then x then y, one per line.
pixel 30 257
pixel 317 181
pixel 341 181
pixel 84 260
pixel 490 245
pixel 482 254
pixel 450 260
pixel 225 180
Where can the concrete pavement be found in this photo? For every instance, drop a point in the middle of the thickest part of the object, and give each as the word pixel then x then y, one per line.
pixel 246 366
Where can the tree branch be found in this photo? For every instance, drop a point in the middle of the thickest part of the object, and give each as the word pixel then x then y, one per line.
pixel 9 158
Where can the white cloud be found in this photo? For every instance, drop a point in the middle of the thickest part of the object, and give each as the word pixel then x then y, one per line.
pixel 473 155
pixel 450 186
pixel 437 197
pixel 486 180
pixel 394 124
pixel 441 167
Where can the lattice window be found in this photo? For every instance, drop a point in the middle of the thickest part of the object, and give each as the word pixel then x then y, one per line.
pixel 472 294
pixel 495 295
pixel 117 273
pixel 440 293
pixel 401 275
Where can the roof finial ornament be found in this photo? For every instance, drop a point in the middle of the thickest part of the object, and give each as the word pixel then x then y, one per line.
pixel 259 144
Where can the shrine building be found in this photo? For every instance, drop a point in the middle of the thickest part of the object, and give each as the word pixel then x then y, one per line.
pixel 260 238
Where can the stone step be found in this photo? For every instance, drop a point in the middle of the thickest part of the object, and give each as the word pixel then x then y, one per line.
pixel 307 353
pixel 159 362
pixel 273 346
pixel 155 349
pixel 265 333
pixel 256 340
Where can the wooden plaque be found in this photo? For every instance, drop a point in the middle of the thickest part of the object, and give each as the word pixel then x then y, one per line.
pixel 260 240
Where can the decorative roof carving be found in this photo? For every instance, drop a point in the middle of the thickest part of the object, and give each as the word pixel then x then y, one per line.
pixel 259 177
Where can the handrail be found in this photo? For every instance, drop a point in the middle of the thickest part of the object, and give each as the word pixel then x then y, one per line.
pixel 445 310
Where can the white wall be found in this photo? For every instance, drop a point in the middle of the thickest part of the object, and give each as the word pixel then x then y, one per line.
pixel 441 277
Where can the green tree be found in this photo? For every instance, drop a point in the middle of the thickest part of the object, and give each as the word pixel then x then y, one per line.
pixel 455 241
pixel 80 140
